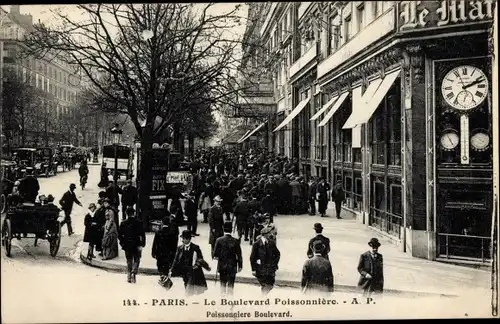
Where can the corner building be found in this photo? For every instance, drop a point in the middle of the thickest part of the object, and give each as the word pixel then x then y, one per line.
pixel 393 99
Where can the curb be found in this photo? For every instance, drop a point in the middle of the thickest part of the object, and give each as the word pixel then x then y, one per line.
pixel 253 281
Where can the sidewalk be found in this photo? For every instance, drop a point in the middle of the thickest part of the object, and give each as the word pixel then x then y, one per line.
pixel 403 273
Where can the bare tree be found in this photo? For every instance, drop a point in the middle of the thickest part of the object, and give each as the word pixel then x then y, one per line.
pixel 149 60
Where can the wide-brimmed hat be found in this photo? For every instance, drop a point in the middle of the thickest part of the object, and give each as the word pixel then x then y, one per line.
pixel 107 200
pixel 318 226
pixel 186 234
pixel 217 198
pixel 374 242
pixel 92 205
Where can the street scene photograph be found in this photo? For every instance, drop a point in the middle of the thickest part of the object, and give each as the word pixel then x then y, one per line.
pixel 253 161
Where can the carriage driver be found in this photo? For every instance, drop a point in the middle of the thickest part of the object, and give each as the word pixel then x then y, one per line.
pixel 29 187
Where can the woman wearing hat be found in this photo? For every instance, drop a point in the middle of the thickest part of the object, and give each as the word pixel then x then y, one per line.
pixel 371 269
pixel 91 234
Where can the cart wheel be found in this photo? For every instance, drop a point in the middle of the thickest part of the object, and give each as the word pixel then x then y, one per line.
pixel 3 202
pixel 7 236
pixel 55 240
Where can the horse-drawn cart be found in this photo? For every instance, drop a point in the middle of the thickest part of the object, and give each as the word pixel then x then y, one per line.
pixel 39 220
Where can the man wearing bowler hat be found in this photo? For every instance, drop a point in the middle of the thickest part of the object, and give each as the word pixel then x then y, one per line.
pixel 215 221
pixel 227 251
pixel 264 260
pixel 185 259
pixel 66 202
pixel 318 228
pixel 371 269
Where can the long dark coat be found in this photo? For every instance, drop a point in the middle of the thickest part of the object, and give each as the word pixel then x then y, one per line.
pixel 373 266
pixel 317 275
pixel 194 279
pixel 164 247
pixel 92 232
pixel 269 257
pixel 216 222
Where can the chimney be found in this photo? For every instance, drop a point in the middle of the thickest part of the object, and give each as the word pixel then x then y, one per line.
pixel 15 9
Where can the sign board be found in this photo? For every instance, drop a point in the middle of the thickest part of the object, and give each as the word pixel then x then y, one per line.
pixel 414 15
pixel 178 177
pixel 158 193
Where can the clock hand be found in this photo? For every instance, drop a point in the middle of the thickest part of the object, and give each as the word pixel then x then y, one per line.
pixel 478 80
pixel 449 139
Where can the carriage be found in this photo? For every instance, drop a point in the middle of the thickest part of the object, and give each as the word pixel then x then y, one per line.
pixel 8 177
pixel 39 220
pixel 46 164
pixel 25 157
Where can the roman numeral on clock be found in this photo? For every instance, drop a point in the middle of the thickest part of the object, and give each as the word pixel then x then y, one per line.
pixel 479 94
pixel 450 95
pixel 447 88
pixel 481 86
pixel 464 71
pixel 456 74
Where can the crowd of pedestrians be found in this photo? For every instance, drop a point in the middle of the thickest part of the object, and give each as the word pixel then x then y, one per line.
pixel 234 192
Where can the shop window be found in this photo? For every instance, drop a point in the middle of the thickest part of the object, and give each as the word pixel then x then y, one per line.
pixel 378 205
pixel 358 192
pixel 347 140
pixel 396 200
pixel 378 137
pixel 356 153
pixel 394 111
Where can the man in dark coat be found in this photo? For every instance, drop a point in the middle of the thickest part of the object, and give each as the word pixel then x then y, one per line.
pixel 242 214
pixel 215 221
pixel 129 197
pixel 132 239
pixel 104 181
pixel 371 269
pixel 338 196
pixel 29 186
pixel 100 219
pixel 312 197
pixel 191 212
pixel 317 273
pixel 318 228
pixel 66 202
pixel 227 251
pixel 264 260
pixel 227 201
pixel 268 205
pixel 322 192
pixel 112 192
pixel 165 246
pixel 183 265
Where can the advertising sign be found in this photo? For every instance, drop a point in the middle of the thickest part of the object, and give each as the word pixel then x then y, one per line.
pixel 414 15
pixel 158 195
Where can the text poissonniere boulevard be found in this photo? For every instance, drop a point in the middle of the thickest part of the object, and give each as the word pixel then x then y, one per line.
pixel 256 314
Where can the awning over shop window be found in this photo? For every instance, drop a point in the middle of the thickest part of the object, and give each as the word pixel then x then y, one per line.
pixel 243 137
pixel 324 108
pixel 256 129
pixel 334 109
pixel 364 112
pixel 293 114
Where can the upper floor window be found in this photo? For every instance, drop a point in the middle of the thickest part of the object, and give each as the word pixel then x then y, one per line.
pixel 333 34
pixel 360 12
pixel 347 28
pixel 375 8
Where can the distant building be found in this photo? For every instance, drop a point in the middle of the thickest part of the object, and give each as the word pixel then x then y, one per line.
pixel 55 79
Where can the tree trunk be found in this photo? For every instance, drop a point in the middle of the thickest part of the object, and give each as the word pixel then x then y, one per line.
pixel 191 145
pixel 145 176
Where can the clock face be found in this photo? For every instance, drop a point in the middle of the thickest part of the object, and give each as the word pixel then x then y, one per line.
pixel 465 87
pixel 449 140
pixel 480 141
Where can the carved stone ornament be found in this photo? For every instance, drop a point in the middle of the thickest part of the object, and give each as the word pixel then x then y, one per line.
pixel 416 53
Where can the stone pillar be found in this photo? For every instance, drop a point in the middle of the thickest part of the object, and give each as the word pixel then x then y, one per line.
pixel 416 155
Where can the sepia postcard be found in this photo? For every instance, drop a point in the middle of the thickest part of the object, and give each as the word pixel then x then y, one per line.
pixel 253 161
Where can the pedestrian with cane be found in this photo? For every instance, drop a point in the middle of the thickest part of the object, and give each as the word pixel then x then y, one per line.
pixel 227 251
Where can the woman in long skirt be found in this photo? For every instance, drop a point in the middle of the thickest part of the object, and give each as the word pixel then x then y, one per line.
pixel 110 239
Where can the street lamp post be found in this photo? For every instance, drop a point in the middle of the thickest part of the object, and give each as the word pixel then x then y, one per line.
pixel 116 131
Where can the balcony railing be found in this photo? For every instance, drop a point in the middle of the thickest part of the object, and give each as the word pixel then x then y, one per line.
pixel 467 247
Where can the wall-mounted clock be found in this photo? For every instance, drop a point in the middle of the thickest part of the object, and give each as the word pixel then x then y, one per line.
pixel 449 139
pixel 480 140
pixel 465 87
